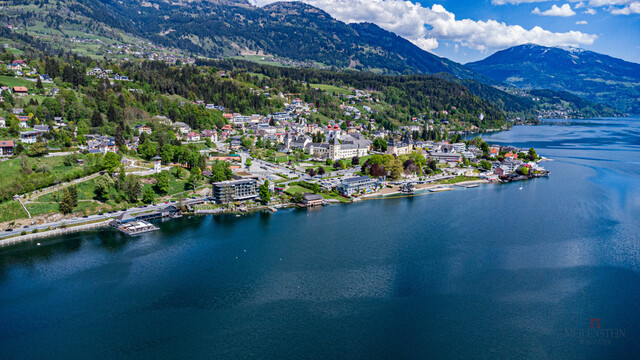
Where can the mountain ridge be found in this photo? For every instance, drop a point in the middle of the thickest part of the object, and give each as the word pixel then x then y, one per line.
pixel 593 76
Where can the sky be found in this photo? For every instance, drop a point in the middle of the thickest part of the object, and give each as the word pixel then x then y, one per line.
pixel 466 31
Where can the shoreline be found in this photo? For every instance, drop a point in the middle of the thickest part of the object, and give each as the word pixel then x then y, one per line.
pixel 20 239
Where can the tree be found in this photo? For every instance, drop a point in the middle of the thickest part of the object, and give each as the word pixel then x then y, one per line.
pixel 265 193
pixel 66 203
pixel 163 184
pixel 111 162
pixel 523 170
pixel 297 198
pixel 485 164
pixel 220 171
pixel 328 162
pixel 103 186
pixel 38 149
pixel 395 169
pixel 248 162
pixel 73 191
pixel 39 84
pixel 312 172
pixel 132 188
pixel 148 149
pixel 148 195
pixel 321 170
pixel 380 144
pixel 355 161
pixel 96 119
pixel 532 154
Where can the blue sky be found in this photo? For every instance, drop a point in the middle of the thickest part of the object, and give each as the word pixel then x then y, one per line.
pixel 467 31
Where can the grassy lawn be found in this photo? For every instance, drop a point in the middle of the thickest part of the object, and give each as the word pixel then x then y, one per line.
pixel 11 210
pixel 332 90
pixel 13 180
pixel 296 189
pixel 12 81
pixel 457 179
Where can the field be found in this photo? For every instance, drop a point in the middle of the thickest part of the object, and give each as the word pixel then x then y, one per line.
pixel 332 90
pixel 11 210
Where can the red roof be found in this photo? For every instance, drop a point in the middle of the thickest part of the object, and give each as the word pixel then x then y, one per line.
pixel 20 89
pixel 7 143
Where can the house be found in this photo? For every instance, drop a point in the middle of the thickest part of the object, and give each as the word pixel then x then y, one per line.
pixel 309 199
pixel 29 137
pixel 182 127
pixel 3 122
pixel 208 134
pixel 193 136
pixel 6 147
pixel 24 121
pixel 41 128
pixel 17 111
pixel 143 129
pixel 20 90
pixel 14 67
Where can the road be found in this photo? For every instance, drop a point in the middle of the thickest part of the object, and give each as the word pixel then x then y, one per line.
pixel 93 218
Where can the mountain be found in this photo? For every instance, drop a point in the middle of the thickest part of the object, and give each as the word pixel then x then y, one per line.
pixel 596 77
pixel 224 28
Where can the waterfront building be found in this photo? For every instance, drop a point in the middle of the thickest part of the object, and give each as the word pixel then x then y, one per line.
pixel 309 199
pixel 235 190
pixel 355 185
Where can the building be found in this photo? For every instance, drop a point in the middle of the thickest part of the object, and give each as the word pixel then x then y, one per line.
pixel 29 137
pixel 309 199
pixel 208 134
pixel 399 148
pixel 358 184
pixel 339 151
pixel 193 136
pixel 235 190
pixel 157 163
pixel 446 157
pixel 20 90
pixel 6 147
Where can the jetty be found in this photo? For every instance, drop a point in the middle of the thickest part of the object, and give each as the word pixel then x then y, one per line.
pixel 440 188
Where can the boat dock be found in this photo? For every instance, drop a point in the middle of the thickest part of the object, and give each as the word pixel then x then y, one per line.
pixel 136 227
pixel 441 188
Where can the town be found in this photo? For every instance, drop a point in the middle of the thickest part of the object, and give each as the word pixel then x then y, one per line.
pixel 78 163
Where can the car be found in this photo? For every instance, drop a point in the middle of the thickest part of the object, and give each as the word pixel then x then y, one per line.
pixel 84 217
pixel 9 229
pixel 25 227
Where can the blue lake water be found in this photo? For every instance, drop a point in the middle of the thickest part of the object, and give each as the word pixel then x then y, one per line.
pixel 489 273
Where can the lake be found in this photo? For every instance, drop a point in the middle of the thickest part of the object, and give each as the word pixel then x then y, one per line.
pixel 485 273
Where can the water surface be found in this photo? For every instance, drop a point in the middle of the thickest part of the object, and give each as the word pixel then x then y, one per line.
pixel 490 272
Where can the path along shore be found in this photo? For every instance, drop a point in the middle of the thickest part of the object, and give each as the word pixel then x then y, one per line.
pixel 94 225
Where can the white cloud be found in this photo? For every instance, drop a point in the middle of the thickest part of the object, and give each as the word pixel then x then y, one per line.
pixel 563 11
pixel 590 11
pixel 425 26
pixel 580 5
pixel 581 22
pixel 633 8
pixel 515 2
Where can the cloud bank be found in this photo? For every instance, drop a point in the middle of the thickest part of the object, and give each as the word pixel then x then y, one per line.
pixel 425 26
